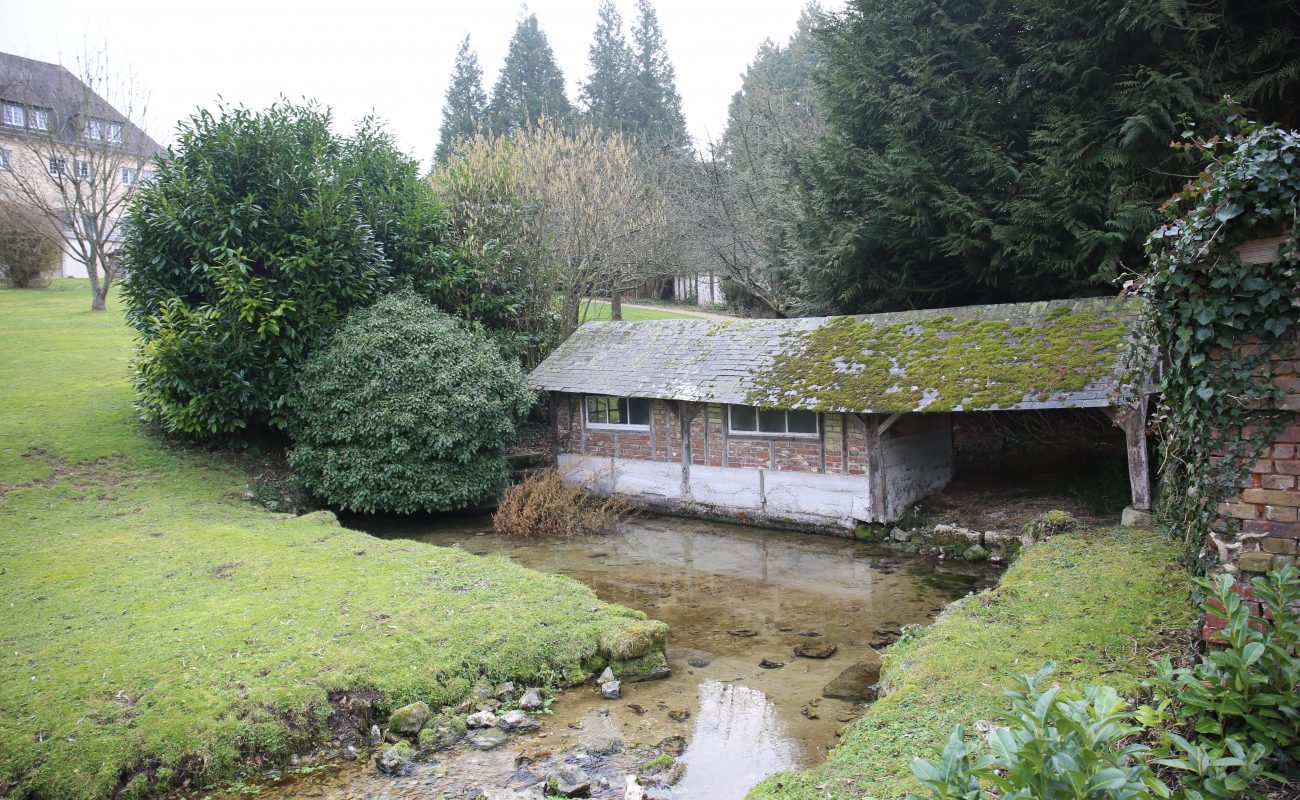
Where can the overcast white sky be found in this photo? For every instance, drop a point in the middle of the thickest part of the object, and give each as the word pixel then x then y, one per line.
pixel 385 56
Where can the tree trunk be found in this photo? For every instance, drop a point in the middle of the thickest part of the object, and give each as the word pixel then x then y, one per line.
pixel 98 290
pixel 616 306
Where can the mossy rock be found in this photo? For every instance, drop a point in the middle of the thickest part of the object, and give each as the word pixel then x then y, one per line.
pixel 975 553
pixel 595 664
pixel 634 639
pixel 649 667
pixel 409 720
pixel 866 532
pixel 442 732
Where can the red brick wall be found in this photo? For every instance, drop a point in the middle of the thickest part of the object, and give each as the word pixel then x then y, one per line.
pixel 711 444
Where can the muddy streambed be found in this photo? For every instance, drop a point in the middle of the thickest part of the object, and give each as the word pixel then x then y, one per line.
pixel 733 597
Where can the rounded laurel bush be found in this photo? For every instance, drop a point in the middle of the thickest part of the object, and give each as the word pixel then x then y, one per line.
pixel 406 409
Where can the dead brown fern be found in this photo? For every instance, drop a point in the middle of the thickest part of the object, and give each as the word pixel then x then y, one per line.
pixel 543 504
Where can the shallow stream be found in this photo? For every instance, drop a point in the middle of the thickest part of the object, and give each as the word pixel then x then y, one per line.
pixel 733 597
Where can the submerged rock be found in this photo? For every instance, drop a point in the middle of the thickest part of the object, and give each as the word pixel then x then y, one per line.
pixel 770 664
pixel 816 650
pixel 743 632
pixel 855 684
pixel 611 690
pixel 673 745
pixel 408 720
pixel 487 739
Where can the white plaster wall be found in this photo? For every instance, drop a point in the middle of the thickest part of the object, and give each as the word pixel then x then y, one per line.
pixel 800 497
pixel 72 268
pixel 916 466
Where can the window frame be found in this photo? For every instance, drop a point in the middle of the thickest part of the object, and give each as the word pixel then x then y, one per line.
pixel 94 130
pixel 113 132
pixel 81 170
pixel 38 118
pixel 615 426
pixel 6 159
pixel 130 176
pixel 57 167
pixel 20 115
pixel 787 434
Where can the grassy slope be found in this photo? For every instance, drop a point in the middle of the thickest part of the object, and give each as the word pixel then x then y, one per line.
pixel 596 309
pixel 150 619
pixel 1096 603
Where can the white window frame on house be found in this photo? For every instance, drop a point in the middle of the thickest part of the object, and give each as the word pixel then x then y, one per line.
pixel 83 170
pixel 40 119
pixel 147 175
pixel 94 130
pixel 15 115
pixel 621 405
pixel 758 416
pixel 6 159
pixel 130 175
pixel 56 166
pixel 114 135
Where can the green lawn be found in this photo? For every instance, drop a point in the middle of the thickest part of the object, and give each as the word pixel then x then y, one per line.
pixel 1097 603
pixel 155 624
pixel 596 309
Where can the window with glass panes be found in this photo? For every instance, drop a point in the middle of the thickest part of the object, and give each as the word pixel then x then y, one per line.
pixel 748 419
pixel 15 115
pixel 622 411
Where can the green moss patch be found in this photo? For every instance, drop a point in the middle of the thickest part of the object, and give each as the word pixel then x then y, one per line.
pixel 1097 603
pixel 947 362
pixel 157 627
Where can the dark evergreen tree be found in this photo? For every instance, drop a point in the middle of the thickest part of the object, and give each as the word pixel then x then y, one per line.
pixel 657 110
pixel 466 102
pixel 609 93
pixel 991 150
pixel 531 85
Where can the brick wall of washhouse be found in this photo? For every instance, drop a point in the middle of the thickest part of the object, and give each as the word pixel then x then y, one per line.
pixel 1267 510
pixel 840 448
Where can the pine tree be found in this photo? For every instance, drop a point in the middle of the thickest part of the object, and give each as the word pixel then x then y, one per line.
pixel 466 102
pixel 1008 150
pixel 609 94
pixel 657 113
pixel 530 85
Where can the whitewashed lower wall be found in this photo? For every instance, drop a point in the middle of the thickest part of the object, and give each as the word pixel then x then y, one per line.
pixel 916 466
pixel 805 498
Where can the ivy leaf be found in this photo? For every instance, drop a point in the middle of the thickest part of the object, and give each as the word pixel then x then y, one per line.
pixel 1205 393
pixel 1225 213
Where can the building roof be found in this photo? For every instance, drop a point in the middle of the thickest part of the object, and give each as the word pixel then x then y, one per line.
pixel 39 84
pixel 1056 354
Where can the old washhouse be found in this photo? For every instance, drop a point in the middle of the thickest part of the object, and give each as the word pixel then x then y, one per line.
pixel 828 421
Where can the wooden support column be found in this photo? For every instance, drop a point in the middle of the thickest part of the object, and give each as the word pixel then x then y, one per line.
pixel 1134 422
pixel 875 457
pixel 686 412
pixel 554 403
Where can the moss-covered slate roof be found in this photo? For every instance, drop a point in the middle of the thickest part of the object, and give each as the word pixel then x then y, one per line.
pixel 1057 354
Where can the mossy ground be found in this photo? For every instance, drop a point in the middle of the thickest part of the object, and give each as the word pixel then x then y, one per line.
pixel 156 624
pixel 1096 602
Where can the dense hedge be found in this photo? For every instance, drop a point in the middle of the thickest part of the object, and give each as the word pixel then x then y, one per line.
pixel 405 409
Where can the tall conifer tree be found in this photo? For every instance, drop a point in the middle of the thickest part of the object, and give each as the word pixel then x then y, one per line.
pixel 657 114
pixel 609 93
pixel 530 85
pixel 465 104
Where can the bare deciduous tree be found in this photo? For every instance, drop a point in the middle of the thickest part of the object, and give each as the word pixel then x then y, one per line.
pixel 76 157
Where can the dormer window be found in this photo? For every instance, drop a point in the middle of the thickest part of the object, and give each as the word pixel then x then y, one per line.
pixel 15 115
pixel 93 130
pixel 114 132
pixel 41 119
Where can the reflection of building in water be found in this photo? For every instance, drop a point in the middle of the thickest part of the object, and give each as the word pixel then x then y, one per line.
pixel 739 739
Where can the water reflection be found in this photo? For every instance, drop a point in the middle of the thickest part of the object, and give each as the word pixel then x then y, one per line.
pixel 738 740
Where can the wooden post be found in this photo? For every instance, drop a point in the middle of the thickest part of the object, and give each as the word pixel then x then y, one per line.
pixel 875 467
pixel 555 426
pixel 685 413
pixel 1134 423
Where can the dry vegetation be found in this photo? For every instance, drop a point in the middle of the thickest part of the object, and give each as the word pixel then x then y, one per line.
pixel 542 504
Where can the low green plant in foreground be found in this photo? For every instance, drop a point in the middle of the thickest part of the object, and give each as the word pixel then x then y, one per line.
pixel 1096 602
pixel 1221 729
pixel 157 627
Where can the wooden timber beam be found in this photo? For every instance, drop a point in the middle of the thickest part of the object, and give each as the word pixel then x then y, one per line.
pixel 875 466
pixel 1134 422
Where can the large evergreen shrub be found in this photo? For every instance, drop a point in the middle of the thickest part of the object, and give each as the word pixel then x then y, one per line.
pixel 261 231
pixel 406 409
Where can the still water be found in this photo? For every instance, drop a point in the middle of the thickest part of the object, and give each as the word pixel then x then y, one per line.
pixel 733 597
